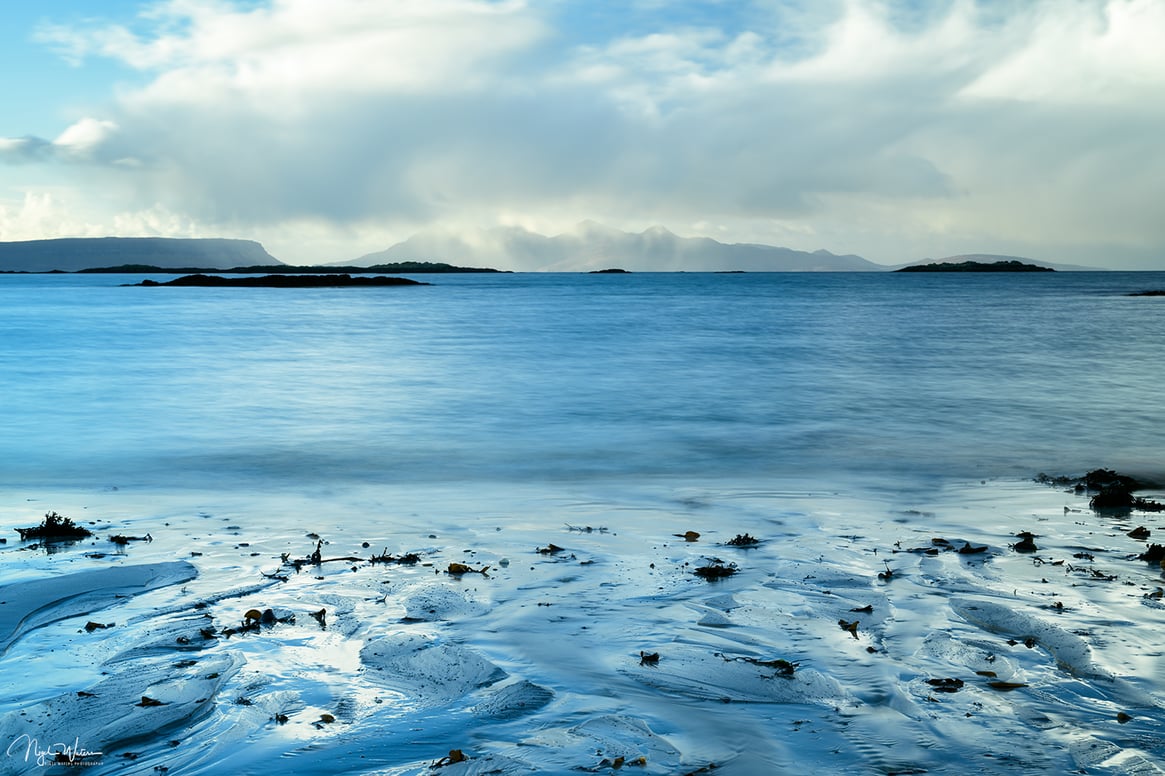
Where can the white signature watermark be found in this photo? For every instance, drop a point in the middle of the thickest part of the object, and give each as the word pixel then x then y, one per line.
pixel 58 753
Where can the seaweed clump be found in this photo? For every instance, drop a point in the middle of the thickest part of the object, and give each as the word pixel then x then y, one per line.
pixel 1111 491
pixel 1118 498
pixel 715 570
pixel 1026 542
pixel 783 667
pixel 55 527
pixel 1155 554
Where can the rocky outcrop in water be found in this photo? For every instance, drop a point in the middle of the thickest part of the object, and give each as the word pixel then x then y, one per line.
pixel 976 266
pixel 282 281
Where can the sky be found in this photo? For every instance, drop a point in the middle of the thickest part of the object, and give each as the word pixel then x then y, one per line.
pixel 897 130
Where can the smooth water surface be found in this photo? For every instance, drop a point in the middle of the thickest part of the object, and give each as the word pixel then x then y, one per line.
pixel 566 376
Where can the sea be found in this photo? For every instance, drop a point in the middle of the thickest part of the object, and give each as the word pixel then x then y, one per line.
pixel 558 433
pixel 558 376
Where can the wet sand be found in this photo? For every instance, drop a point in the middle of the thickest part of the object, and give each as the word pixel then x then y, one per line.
pixel 564 629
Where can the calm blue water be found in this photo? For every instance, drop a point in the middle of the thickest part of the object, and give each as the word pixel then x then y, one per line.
pixel 544 377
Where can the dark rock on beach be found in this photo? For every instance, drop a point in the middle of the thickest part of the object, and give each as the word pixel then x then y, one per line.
pixel 283 281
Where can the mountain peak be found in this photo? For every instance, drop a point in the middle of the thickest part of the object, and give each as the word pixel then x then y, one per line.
pixel 592 245
pixel 590 227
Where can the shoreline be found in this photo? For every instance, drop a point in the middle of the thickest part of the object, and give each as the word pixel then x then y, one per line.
pixel 534 659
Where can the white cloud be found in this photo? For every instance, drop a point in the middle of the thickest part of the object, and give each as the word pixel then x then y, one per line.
pixel 294 48
pixel 57 211
pixel 866 123
pixel 87 141
pixel 864 46
pixel 81 140
pixel 1080 55
pixel 34 216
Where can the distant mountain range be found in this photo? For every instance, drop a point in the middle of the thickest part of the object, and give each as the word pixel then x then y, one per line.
pixel 76 253
pixel 591 246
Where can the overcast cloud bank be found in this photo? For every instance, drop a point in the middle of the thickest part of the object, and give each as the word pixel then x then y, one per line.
pixel 865 127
